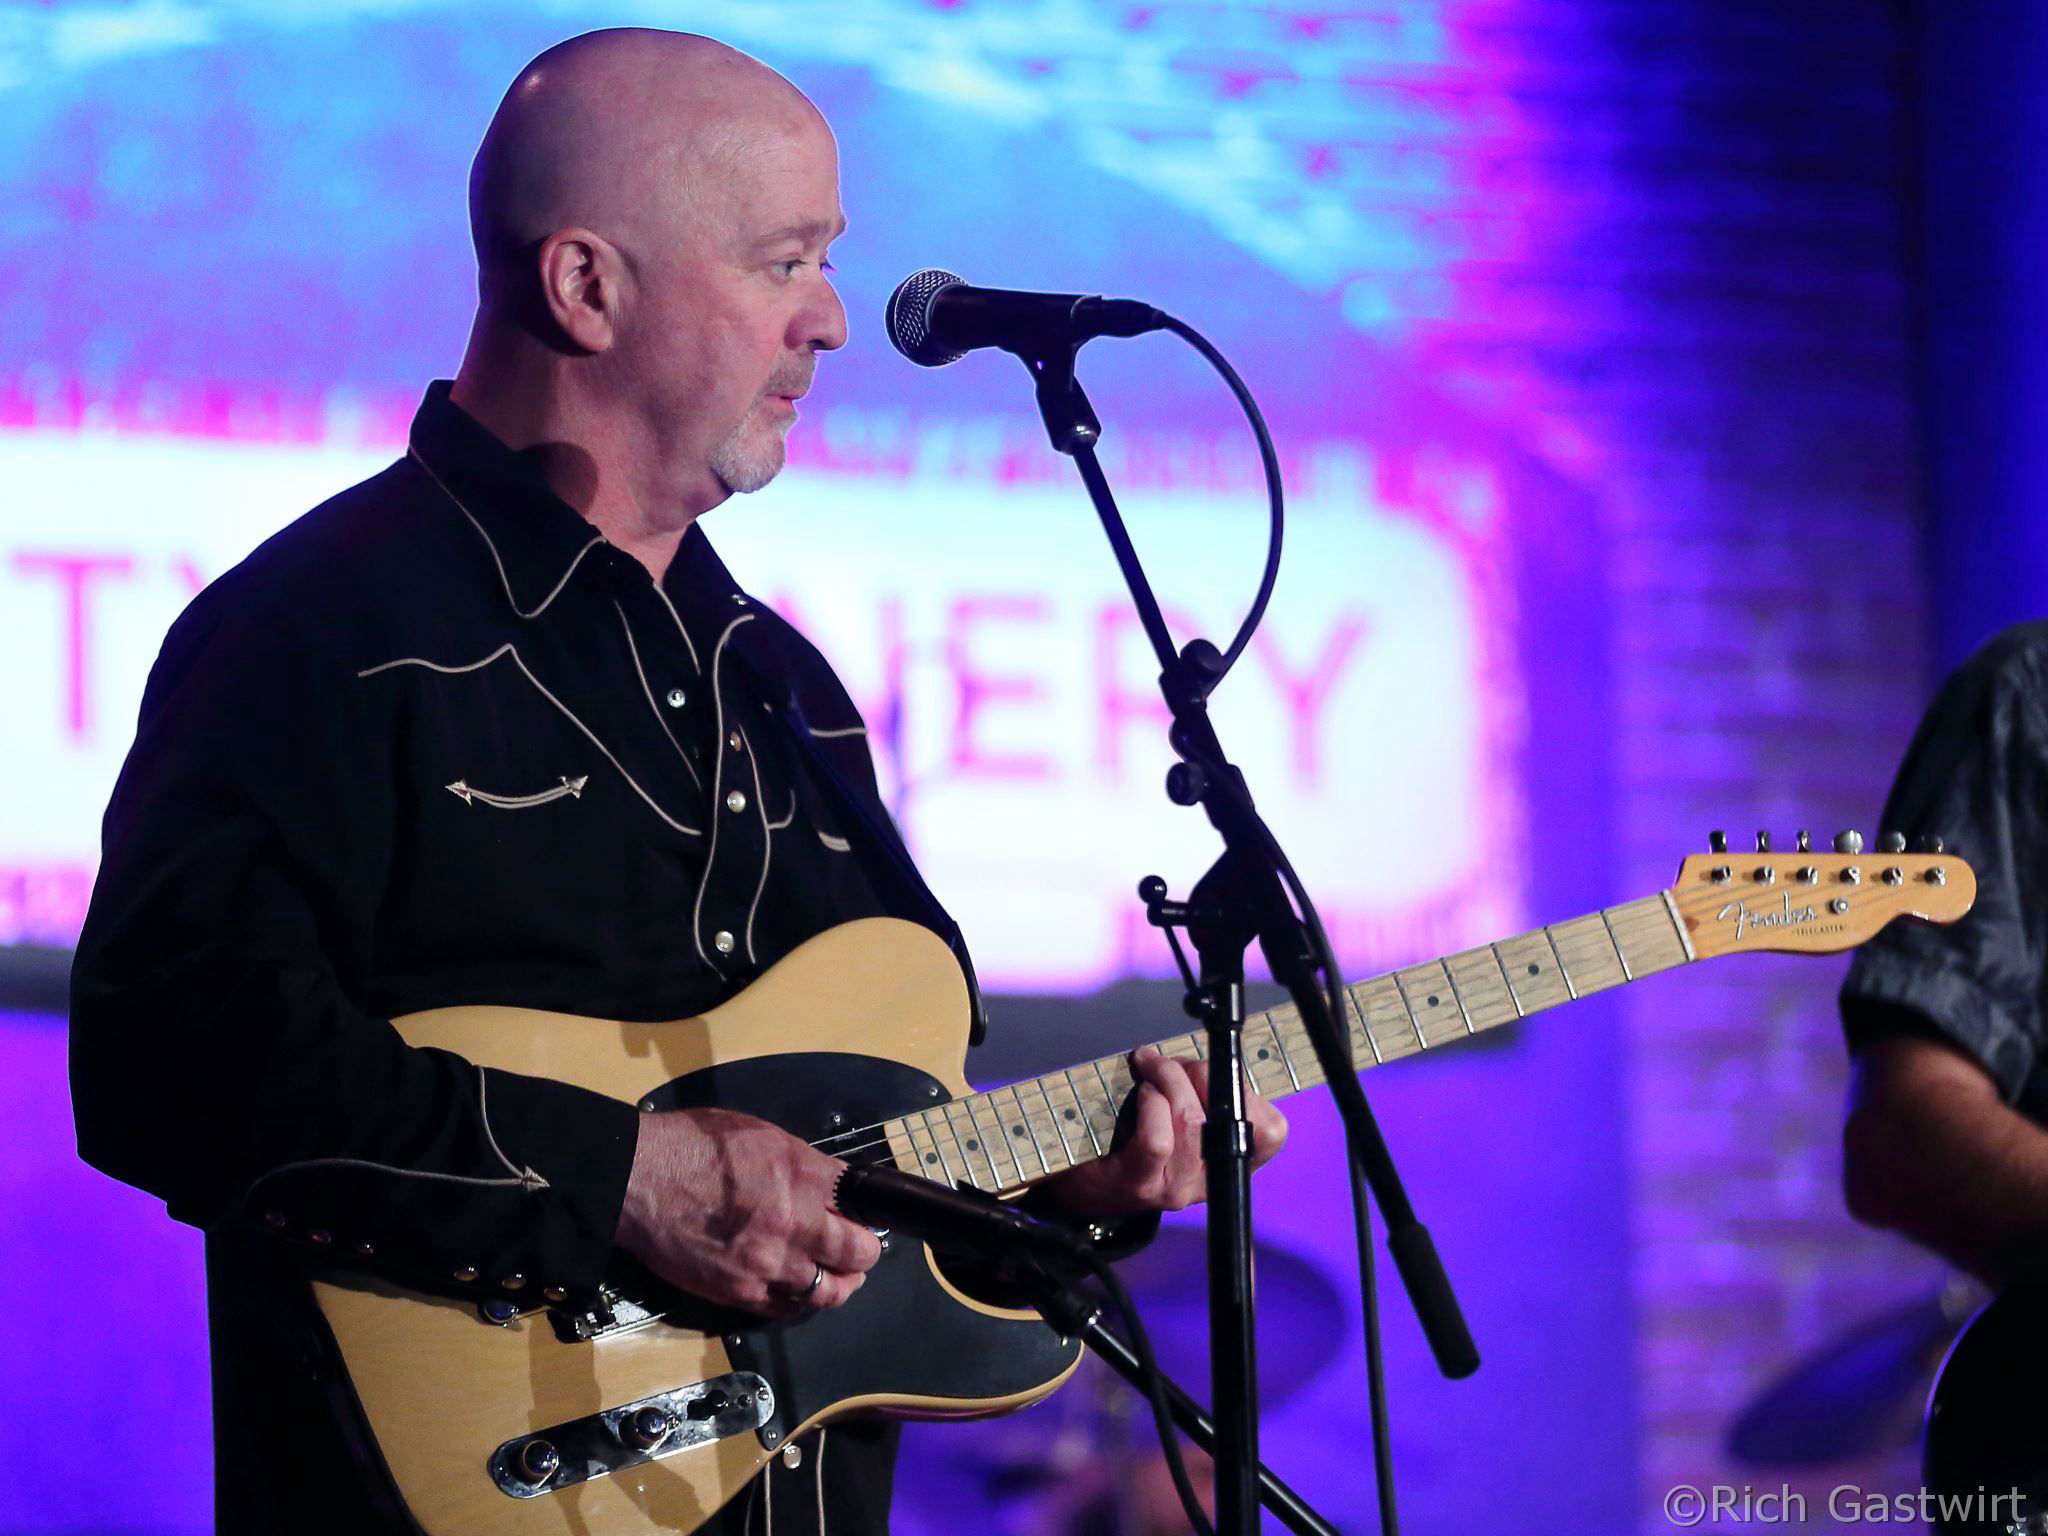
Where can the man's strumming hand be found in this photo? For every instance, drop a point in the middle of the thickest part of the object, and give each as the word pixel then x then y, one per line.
pixel 739 1212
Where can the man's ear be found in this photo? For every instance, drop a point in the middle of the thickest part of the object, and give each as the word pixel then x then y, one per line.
pixel 581 286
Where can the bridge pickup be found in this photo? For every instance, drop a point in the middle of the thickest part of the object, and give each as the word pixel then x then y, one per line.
pixel 610 1313
pixel 614 1439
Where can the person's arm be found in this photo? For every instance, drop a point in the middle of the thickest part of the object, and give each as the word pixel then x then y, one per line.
pixel 226 1057
pixel 1945 1022
pixel 226 1052
pixel 1931 1150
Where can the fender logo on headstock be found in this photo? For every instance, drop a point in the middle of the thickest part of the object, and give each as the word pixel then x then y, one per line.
pixel 1785 915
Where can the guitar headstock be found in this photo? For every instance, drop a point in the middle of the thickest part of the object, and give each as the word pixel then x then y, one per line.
pixel 1808 903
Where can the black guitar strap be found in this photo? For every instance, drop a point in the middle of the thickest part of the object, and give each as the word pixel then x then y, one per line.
pixel 884 855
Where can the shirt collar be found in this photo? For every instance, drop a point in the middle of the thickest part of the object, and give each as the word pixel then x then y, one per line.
pixel 536 538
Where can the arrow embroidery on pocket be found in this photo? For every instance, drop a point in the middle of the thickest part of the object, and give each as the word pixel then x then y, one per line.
pixel 469 796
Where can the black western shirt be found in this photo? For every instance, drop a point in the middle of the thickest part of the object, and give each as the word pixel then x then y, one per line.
pixel 438 742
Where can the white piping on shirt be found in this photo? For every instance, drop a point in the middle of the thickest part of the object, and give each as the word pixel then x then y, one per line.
pixel 818 1476
pixel 522 1178
pixel 777 826
pixel 483 1110
pixel 595 540
pixel 687 644
pixel 469 794
pixel 717 798
pixel 836 844
pixel 528 1180
pixel 767 843
pixel 695 778
pixel 842 730
pixel 508 648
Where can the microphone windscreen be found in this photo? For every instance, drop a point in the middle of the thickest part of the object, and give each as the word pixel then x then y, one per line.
pixel 908 318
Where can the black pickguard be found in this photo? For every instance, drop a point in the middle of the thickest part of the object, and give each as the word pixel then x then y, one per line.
pixel 1985 1425
pixel 903 1334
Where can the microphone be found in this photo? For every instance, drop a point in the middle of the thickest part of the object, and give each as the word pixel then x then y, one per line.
pixel 886 1198
pixel 934 318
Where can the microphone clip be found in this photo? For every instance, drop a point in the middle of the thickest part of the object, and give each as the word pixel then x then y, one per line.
pixel 1070 421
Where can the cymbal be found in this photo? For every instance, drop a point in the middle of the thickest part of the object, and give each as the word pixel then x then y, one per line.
pixel 1860 1391
pixel 1300 1317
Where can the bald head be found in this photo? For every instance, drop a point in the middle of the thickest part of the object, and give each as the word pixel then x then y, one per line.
pixel 653 215
pixel 632 133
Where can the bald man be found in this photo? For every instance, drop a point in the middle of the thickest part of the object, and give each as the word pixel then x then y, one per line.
pixel 497 726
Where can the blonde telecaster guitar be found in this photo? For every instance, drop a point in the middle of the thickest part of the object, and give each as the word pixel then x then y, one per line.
pixel 646 1412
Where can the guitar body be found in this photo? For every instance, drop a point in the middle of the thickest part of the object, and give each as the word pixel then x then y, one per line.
pixel 862 1024
pixel 1986 1426
pixel 648 1411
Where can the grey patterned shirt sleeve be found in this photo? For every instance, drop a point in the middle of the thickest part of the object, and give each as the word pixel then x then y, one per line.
pixel 1976 776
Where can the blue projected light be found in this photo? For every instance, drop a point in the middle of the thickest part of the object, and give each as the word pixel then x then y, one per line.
pixel 265 257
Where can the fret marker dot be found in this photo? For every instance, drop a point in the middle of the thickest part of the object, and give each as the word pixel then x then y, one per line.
pixel 1264 1054
pixel 973 1145
pixel 931 1157
pixel 1072 1116
pixel 1016 1130
pixel 1432 1002
pixel 1534 968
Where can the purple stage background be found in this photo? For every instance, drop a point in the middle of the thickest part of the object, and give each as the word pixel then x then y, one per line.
pixel 1584 327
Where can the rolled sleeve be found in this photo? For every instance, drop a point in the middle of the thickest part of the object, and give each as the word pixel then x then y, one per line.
pixel 1974 776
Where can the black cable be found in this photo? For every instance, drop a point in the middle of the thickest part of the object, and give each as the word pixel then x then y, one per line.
pixel 1155 1393
pixel 1271 461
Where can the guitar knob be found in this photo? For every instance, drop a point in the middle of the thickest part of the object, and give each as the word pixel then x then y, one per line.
pixel 536 1462
pixel 1892 842
pixel 1849 841
pixel 1717 842
pixel 647 1428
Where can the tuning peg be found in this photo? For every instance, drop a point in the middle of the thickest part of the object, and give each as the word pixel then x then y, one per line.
pixel 1929 843
pixel 1805 841
pixel 1849 841
pixel 1763 842
pixel 1717 842
pixel 1892 842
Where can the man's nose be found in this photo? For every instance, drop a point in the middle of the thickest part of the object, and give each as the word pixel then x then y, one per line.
pixel 822 325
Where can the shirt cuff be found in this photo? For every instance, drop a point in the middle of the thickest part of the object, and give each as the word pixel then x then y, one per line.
pixel 1952 1002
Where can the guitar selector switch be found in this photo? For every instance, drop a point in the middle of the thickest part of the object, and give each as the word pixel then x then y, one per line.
pixel 709 1406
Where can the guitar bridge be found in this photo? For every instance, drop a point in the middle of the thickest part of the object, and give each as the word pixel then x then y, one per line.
pixel 614 1439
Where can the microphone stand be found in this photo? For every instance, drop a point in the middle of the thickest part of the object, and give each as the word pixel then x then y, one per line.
pixel 1240 899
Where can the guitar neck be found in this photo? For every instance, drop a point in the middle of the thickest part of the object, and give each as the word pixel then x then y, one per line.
pixel 1012 1137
